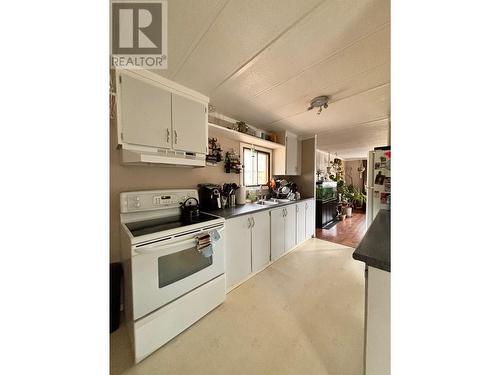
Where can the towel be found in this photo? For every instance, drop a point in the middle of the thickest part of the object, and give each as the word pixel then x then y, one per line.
pixel 205 240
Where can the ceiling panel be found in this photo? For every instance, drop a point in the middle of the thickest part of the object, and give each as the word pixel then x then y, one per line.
pixel 326 31
pixel 367 106
pixel 242 29
pixel 357 68
pixel 357 85
pixel 188 20
pixel 355 141
pixel 262 61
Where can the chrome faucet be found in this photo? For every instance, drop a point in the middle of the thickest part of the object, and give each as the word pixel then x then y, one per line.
pixel 260 194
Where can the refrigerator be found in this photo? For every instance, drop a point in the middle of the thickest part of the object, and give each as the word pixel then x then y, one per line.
pixel 378 192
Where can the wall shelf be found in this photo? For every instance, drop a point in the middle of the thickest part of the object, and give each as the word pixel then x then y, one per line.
pixel 220 131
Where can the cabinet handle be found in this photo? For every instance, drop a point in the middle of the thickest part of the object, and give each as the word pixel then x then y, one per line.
pixel 175 136
pixel 168 136
pixel 249 222
pixel 253 221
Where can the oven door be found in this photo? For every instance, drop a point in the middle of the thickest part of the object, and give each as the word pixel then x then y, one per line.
pixel 165 270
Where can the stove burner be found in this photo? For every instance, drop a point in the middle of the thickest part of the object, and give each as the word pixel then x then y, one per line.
pixel 141 228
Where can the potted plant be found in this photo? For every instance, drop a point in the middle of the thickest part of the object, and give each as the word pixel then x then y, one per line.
pixel 349 198
pixel 358 198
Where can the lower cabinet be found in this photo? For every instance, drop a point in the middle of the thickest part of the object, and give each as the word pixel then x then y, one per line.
pixel 310 218
pixel 283 230
pixel 290 222
pixel 301 222
pixel 254 241
pixel 247 240
pixel 238 240
pixel 305 220
pixel 377 321
pixel 277 233
pixel 261 241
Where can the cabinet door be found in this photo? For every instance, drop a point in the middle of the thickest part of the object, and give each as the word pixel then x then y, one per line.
pixel 277 233
pixel 144 112
pixel 261 241
pixel 189 124
pixel 292 155
pixel 290 227
pixel 301 222
pixel 310 217
pixel 238 250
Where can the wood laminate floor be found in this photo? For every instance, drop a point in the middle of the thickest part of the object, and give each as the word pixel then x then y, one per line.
pixel 348 232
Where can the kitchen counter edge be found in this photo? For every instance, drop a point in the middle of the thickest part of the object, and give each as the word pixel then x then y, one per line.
pixel 249 208
pixel 375 247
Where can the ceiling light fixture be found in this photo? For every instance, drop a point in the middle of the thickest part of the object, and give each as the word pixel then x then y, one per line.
pixel 319 102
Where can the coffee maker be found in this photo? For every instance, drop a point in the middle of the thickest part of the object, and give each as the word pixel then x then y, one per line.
pixel 210 197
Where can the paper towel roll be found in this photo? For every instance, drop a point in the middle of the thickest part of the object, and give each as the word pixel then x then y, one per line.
pixel 241 195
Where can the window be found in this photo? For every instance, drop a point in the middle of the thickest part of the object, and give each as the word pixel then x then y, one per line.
pixel 257 166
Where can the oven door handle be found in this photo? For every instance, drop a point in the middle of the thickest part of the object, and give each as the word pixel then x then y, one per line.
pixel 147 249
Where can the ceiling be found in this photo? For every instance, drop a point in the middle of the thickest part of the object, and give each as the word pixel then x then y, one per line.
pixel 263 61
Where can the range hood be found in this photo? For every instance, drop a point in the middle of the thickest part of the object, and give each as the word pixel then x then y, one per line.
pixel 167 159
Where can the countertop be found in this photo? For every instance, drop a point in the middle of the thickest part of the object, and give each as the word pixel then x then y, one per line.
pixel 375 247
pixel 248 208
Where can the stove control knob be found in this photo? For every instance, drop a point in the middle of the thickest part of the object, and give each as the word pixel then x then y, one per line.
pixel 137 204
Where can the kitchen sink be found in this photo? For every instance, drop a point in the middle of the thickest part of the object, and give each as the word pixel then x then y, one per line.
pixel 267 203
pixel 280 200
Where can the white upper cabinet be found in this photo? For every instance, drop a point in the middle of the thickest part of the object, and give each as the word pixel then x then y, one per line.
pixel 292 154
pixel 160 121
pixel 187 118
pixel 288 161
pixel 145 112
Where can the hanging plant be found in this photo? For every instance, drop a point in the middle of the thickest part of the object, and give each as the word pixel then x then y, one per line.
pixel 214 151
pixel 232 162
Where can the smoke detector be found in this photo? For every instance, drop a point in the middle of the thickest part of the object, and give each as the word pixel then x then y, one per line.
pixel 319 102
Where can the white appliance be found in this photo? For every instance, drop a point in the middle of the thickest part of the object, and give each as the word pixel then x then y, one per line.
pixel 378 182
pixel 169 282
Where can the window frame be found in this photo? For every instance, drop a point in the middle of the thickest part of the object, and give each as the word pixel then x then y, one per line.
pixel 268 151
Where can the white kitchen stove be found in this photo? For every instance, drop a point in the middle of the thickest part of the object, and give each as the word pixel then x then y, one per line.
pixel 170 282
